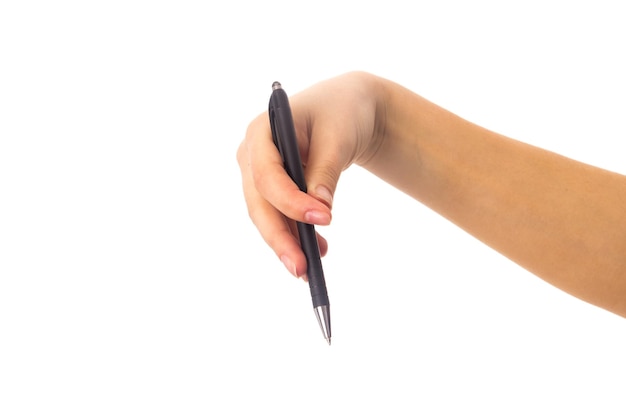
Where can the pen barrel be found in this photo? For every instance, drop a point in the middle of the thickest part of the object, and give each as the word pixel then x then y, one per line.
pixel 315 272
pixel 284 136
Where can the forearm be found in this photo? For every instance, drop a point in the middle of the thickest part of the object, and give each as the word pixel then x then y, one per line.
pixel 561 219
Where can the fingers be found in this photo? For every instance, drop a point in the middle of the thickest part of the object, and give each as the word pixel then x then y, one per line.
pixel 271 195
pixel 272 182
pixel 271 224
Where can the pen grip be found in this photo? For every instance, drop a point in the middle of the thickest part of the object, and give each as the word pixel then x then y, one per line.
pixel 315 272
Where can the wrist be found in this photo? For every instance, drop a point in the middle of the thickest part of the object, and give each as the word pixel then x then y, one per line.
pixel 394 153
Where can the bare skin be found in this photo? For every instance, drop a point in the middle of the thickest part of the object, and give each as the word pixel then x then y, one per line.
pixel 563 220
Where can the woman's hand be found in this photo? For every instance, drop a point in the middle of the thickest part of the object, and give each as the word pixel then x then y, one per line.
pixel 338 123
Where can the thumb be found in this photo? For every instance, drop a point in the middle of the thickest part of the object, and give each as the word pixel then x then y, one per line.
pixel 326 161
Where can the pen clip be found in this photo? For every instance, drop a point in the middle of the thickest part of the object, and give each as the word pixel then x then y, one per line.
pixel 275 135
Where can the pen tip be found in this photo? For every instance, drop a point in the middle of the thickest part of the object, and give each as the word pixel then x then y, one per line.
pixel 276 85
pixel 328 341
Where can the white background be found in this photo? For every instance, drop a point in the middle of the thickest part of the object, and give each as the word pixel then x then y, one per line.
pixel 132 282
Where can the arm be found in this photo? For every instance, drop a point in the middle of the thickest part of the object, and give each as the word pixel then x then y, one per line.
pixel 563 220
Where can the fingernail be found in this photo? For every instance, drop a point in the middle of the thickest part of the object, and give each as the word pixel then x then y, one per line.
pixel 325 194
pixel 291 267
pixel 317 217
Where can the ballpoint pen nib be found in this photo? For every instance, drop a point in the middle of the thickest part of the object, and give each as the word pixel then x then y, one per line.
pixel 276 85
pixel 323 317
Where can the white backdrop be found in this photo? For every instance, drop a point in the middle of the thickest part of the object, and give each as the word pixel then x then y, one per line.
pixel 133 283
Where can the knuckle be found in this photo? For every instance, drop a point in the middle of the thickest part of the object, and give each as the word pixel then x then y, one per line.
pixel 259 178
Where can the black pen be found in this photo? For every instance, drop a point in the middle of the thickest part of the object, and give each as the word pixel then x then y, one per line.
pixel 284 135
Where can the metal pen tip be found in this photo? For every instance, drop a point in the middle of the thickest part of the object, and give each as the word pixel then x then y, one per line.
pixel 276 85
pixel 323 317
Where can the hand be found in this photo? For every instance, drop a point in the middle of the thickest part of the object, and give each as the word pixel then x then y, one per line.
pixel 337 124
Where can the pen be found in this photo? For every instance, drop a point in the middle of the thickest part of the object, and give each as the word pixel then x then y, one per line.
pixel 284 136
